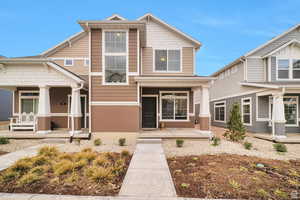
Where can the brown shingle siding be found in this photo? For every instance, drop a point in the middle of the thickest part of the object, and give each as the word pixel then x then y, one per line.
pixel 132 46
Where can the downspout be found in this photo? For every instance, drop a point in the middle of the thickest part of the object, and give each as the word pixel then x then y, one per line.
pixel 72 115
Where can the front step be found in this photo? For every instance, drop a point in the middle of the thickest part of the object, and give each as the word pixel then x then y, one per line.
pixel 149 141
pixel 55 140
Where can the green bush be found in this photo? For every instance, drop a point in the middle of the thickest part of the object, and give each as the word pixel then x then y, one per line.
pixel 216 141
pixel 29 179
pixel 236 130
pixel 122 141
pixel 97 142
pixel 125 153
pixel 280 147
pixel 4 140
pixel 49 151
pixel 179 142
pixel 248 145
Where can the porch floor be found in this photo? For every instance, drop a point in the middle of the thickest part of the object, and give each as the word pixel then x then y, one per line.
pixel 32 135
pixel 174 133
pixel 292 138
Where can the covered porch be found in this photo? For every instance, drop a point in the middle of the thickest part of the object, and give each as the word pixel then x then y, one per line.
pixel 174 102
pixel 45 97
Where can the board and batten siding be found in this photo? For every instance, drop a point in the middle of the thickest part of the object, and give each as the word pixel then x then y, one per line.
pixel 101 92
pixel 187 56
pixel 255 70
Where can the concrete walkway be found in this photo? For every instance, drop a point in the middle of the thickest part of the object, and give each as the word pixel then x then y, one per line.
pixel 148 174
pixel 7 160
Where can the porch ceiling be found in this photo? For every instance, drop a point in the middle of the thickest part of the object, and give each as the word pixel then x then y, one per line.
pixel 165 81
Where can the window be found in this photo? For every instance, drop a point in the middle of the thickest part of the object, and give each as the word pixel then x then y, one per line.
pixel 115 57
pixel 167 60
pixel 290 110
pixel 288 69
pixel 246 111
pixel 86 62
pixel 283 69
pixel 29 102
pixel 174 106
pixel 219 108
pixel 69 62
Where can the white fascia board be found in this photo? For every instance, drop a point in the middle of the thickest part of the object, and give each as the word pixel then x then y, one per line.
pixel 281 47
pixel 260 85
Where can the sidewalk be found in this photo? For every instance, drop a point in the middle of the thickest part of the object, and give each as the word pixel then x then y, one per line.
pixel 148 174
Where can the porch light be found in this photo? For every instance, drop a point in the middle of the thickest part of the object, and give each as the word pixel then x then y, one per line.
pixel 118 34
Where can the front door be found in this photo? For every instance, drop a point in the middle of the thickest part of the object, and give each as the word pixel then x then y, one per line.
pixel 149 112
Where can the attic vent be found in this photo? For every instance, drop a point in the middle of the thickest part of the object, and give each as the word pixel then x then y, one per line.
pixel 115 17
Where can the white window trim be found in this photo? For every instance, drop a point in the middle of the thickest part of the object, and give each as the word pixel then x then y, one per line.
pixel 297 109
pixel 174 120
pixel 242 109
pixel 26 97
pixel 65 62
pixel 114 54
pixel 166 71
pixel 215 106
pixel 290 69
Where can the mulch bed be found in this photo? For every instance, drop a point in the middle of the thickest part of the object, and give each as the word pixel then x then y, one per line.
pixel 74 182
pixel 235 176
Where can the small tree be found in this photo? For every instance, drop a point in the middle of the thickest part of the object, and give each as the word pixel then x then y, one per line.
pixel 236 130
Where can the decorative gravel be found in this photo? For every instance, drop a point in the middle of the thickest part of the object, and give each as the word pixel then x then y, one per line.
pixel 110 143
pixel 15 145
pixel 261 148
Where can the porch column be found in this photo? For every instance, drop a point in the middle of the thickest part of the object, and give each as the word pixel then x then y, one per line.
pixel 75 111
pixel 204 113
pixel 278 117
pixel 43 115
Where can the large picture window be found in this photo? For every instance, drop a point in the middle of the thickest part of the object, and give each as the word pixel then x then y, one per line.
pixel 115 57
pixel 219 111
pixel 246 111
pixel 174 106
pixel 288 69
pixel 167 60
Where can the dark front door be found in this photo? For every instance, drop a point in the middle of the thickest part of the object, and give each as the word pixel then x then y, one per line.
pixel 149 112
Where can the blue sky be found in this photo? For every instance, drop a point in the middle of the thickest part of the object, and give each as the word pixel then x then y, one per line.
pixel 226 28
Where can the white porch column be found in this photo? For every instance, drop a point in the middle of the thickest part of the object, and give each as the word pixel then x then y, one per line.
pixel 278 117
pixel 204 113
pixel 43 115
pixel 75 111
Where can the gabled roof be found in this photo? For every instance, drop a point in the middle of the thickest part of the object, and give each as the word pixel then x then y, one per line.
pixel 66 41
pixel 294 41
pixel 191 39
pixel 236 61
pixel 115 17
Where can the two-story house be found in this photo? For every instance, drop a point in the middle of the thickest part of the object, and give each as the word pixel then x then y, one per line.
pixel 115 75
pixel 265 82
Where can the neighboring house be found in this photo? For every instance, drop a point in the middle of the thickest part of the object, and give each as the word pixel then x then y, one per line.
pixel 265 78
pixel 115 75
pixel 5 103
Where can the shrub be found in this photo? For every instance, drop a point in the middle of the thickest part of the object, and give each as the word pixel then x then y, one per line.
pixel 63 167
pixel 22 166
pixel 9 175
pixel 125 153
pixel 262 193
pixel 248 145
pixel 80 164
pixel 87 150
pixel 100 161
pixel 89 156
pixel 281 194
pixel 122 141
pixel 40 160
pixel 49 151
pixel 72 178
pixel 29 179
pixel 280 147
pixel 39 170
pixel 99 174
pixel 97 142
pixel 216 141
pixel 4 140
pixel 234 184
pixel 65 156
pixel 236 129
pixel 294 173
pixel 184 185
pixel 179 142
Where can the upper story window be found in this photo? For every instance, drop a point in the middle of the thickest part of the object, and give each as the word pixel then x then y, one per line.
pixel 115 57
pixel 288 69
pixel 69 62
pixel 167 60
